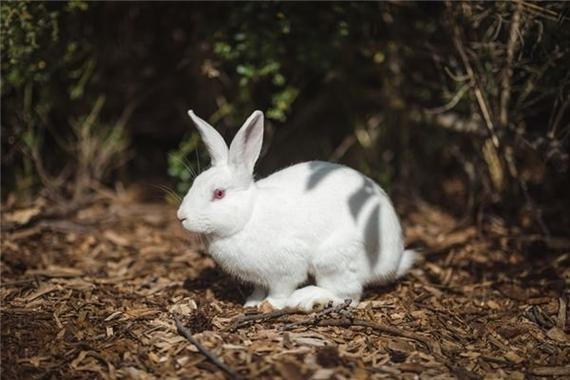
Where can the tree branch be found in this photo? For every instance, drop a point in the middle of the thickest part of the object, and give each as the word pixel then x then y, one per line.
pixel 512 46
pixel 217 362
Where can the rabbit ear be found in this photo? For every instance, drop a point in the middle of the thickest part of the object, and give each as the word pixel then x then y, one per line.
pixel 217 148
pixel 246 145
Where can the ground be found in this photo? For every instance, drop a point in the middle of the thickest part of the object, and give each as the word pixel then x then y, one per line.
pixel 93 295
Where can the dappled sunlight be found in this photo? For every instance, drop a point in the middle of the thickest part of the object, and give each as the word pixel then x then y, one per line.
pixel 140 240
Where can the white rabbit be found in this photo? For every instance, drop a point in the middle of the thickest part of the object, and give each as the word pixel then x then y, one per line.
pixel 311 219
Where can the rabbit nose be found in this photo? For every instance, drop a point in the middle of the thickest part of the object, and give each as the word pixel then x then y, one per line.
pixel 180 216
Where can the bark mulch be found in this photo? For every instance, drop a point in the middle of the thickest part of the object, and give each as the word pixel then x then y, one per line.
pixel 96 295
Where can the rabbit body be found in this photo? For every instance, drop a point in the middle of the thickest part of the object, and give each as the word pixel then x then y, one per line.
pixel 316 219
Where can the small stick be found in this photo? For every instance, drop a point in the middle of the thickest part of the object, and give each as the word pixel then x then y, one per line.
pixel 246 319
pixel 243 320
pixel 562 311
pixel 328 310
pixel 318 320
pixel 347 321
pixel 392 331
pixel 188 335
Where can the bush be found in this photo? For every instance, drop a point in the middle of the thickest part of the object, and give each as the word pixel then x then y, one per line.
pixel 461 103
pixel 49 68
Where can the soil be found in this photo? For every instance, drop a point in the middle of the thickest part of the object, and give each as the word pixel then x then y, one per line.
pixel 93 296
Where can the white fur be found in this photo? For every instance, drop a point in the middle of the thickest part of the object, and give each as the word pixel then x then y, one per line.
pixel 314 218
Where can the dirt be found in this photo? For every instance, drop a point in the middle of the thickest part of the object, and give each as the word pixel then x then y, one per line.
pixel 93 296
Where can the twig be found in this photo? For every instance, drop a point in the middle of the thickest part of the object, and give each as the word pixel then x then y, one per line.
pixel 50 183
pixel 558 118
pixel 452 103
pixel 341 150
pixel 188 335
pixel 562 311
pixel 512 45
pixel 392 331
pixel 491 150
pixel 60 211
pixel 345 320
pixel 319 319
pixel 246 319
pixel 327 311
pixel 544 12
pixel 457 40
pixel 348 322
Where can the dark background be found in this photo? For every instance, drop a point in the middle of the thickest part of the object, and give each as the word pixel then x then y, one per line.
pixel 458 109
pixel 460 104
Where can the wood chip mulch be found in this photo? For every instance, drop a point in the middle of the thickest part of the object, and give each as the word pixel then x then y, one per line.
pixel 96 296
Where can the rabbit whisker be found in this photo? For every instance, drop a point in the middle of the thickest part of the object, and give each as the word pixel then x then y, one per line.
pixel 169 192
pixel 188 166
pixel 198 160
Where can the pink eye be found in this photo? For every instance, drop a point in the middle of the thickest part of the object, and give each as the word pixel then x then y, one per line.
pixel 219 193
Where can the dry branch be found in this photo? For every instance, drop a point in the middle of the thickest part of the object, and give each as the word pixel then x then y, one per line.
pixel 562 313
pixel 327 311
pixel 348 322
pixel 512 45
pixel 247 319
pixel 485 112
pixel 452 103
pixel 323 318
pixel 213 358
pixel 58 212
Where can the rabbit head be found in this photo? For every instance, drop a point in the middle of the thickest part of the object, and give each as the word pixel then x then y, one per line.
pixel 221 199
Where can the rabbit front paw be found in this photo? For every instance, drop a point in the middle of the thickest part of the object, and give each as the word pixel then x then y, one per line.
pixel 310 296
pixel 256 297
pixel 277 303
pixel 252 303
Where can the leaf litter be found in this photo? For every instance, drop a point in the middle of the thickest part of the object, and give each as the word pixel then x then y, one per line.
pixel 98 295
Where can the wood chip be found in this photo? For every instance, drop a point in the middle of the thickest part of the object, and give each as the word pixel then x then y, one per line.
pixel 117 239
pixel 42 290
pixel 562 313
pixel 551 371
pixel 557 334
pixel 101 304
pixel 54 271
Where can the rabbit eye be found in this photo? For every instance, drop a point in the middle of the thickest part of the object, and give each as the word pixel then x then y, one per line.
pixel 219 193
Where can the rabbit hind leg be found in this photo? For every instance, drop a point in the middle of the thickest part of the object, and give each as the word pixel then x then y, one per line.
pixel 309 297
pixel 337 276
pixel 279 293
